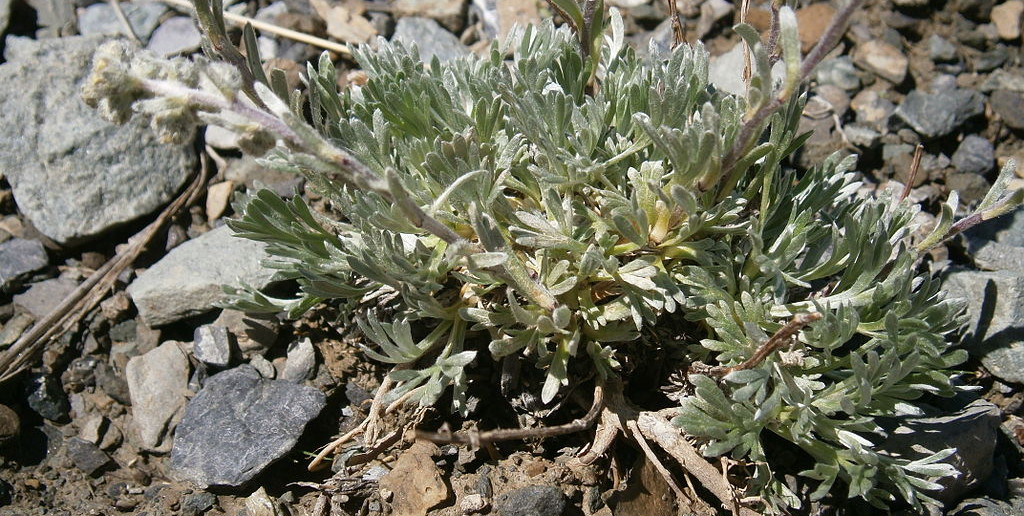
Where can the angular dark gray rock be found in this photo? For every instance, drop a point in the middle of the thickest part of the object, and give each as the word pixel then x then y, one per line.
pixel 975 155
pixel 86 456
pixel 995 309
pixel 933 115
pixel 18 258
pixel 190 278
pixel 72 174
pixel 971 428
pixel 47 398
pixel 430 37
pixel 212 345
pixel 239 424
pixel 531 501
pixel 157 384
pixel 101 19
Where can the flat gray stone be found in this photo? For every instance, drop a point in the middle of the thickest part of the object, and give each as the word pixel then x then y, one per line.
pixel 100 19
pixel 178 35
pixel 995 308
pixel 971 429
pixel 994 256
pixel 18 258
pixel 838 72
pixel 72 174
pixel 974 155
pixel 448 13
pixel 1009 105
pixel 41 298
pixel 430 37
pixel 189 279
pixel 212 345
pixel 157 384
pixel 87 456
pixel 239 424
pixel 933 115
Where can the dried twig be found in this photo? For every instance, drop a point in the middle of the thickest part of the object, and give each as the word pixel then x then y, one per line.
pixel 123 20
pixel 476 439
pixel 655 427
pixel 277 30
pixel 678 35
pixel 915 164
pixel 776 341
pixel 76 305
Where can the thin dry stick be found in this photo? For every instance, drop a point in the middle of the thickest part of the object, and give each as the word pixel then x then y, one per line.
pixel 915 164
pixel 274 29
pixel 654 427
pixel 79 302
pixel 375 410
pixel 779 339
pixel 678 36
pixel 119 13
pixel 476 439
pixel 682 499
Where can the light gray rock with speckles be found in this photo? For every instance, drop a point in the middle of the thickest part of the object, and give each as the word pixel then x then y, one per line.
pixel 72 174
pixel 157 384
pixel 190 279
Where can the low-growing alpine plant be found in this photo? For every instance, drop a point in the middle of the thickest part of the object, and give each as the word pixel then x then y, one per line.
pixel 555 199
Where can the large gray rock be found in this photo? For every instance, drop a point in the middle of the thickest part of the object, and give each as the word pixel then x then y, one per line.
pixel 18 258
pixel 431 39
pixel 157 384
pixel 239 424
pixel 190 279
pixel 933 115
pixel 995 307
pixel 971 428
pixel 73 174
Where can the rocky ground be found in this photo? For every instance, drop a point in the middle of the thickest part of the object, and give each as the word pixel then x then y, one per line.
pixel 155 394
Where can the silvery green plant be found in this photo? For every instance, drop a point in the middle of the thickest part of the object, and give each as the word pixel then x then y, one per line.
pixel 553 199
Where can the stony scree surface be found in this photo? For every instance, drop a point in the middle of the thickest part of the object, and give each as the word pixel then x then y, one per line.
pixel 190 278
pixel 74 175
pixel 238 425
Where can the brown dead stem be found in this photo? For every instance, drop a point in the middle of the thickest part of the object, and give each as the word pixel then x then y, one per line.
pixel 475 438
pixel 646 427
